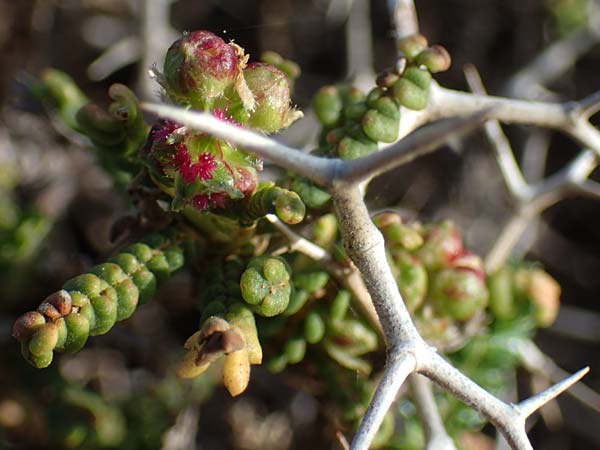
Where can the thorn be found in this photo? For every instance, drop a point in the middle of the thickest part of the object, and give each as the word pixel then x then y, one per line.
pixel 529 406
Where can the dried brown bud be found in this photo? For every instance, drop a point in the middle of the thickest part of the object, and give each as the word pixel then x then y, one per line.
pixel 26 324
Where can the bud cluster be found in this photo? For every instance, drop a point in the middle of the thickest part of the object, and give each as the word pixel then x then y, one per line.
pixel 443 285
pixel 353 122
pixel 204 72
pixel 91 303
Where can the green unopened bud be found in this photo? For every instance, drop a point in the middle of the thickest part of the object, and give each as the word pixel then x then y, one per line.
pixel 379 127
pixel 295 349
pixel 459 293
pixel 328 105
pixel 325 230
pixel 435 58
pixel 412 90
pixel 68 96
pixel 350 148
pixel 271 91
pixel 411 277
pixel 78 330
pixel 311 281
pixel 100 126
pixel 339 306
pixel 290 68
pixel 412 45
pixel 311 195
pixel 199 67
pixel 298 299
pixel 278 363
pixel 290 208
pixel 44 339
pixel 105 307
pixel 265 284
pixel 502 301
pixel 406 236
pixel 314 327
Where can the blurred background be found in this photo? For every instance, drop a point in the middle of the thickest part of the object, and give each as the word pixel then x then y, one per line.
pixel 57 207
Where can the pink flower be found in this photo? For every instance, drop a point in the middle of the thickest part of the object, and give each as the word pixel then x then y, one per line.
pixel 191 171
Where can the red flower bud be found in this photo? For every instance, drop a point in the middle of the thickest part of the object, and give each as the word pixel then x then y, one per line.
pixel 199 67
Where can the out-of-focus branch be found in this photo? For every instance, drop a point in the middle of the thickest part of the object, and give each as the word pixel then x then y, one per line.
pixel 534 360
pixel 435 432
pixel 404 18
pixel 555 60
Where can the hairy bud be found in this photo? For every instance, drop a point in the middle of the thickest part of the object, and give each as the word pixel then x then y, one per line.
pixel 271 90
pixel 199 67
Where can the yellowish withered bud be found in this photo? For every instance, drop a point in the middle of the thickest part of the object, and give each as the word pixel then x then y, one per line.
pixel 236 372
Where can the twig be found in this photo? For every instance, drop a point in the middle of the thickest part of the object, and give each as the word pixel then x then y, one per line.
pixel 404 18
pixel 359 45
pixel 435 432
pixel 534 360
pixel 513 177
pixel 555 60
pixel 349 277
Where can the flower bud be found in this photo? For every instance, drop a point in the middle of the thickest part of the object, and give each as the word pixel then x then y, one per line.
pixel 198 68
pixel 328 105
pixel 412 45
pixel 443 243
pixel 271 91
pixel 459 293
pixel 435 58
